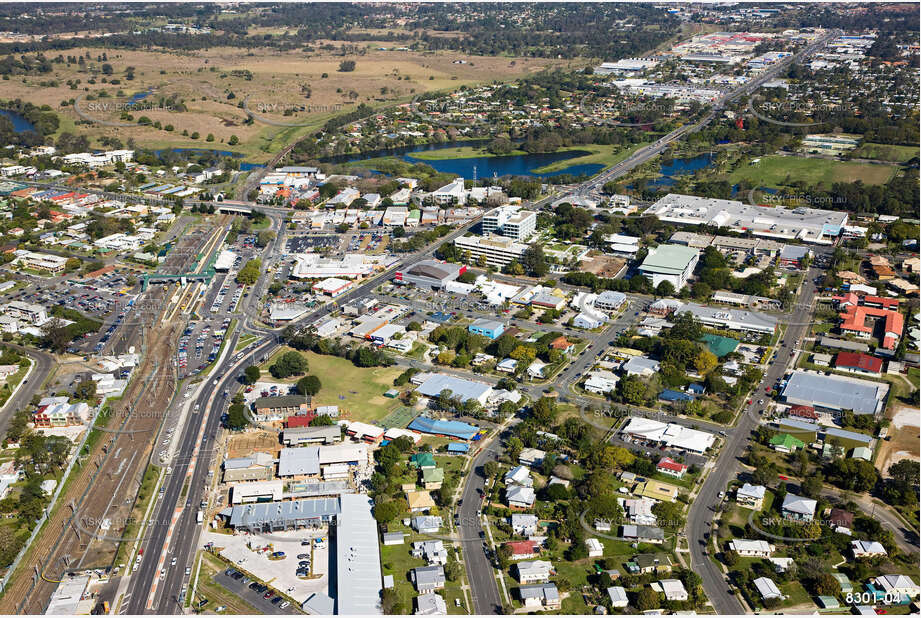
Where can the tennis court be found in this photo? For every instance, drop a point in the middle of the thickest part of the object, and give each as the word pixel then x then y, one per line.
pixel 399 418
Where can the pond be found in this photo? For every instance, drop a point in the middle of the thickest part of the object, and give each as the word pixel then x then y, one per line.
pixel 20 123
pixel 512 165
pixel 677 167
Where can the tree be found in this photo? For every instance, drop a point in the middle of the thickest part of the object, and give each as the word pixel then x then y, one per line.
pixel 647 599
pixel 322 420
pixel 812 485
pixel 514 448
pixel 290 363
pixel 236 417
pixel 524 354
pixel 386 512
pixel 453 571
pixel 665 288
pixel 56 335
pixel 631 389
pixel 249 274
pixel 534 261
pixel 346 66
pixel 490 468
pixel 251 374
pixel 309 385
pixel 86 390
pixel 705 362
pixel 264 238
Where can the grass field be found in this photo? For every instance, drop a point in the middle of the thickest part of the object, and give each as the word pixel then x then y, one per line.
pixel 359 392
pixel 210 85
pixel 399 417
pixel 886 152
pixel 780 171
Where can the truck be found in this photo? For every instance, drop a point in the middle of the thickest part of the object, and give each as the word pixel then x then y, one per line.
pixel 199 517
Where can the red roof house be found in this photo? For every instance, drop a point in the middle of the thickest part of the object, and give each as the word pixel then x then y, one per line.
pixel 858 363
pixel 523 549
pixel 671 467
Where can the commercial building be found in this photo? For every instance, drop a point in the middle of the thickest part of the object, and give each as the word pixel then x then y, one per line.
pixel 610 301
pixel 731 319
pixel 333 286
pixel 452 193
pixel 255 467
pixel 858 363
pixel 267 409
pixel 491 329
pixel 464 389
pixel 806 224
pixel 358 558
pixel 307 461
pixel 259 491
pixel 509 221
pixel 298 436
pixel 835 393
pixel 430 274
pixel 44 262
pixel 349 266
pixel 451 429
pixel 672 263
pixel 496 250
pixel 669 434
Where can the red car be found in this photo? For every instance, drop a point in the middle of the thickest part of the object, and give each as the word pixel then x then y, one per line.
pixel 767 389
pixel 782 477
pixel 749 402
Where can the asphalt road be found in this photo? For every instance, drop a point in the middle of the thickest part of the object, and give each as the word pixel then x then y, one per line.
pixel 727 465
pixel 480 572
pixel 42 363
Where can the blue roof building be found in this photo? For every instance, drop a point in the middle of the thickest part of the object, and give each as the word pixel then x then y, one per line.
pixel 671 395
pixel 458 447
pixel 487 328
pixel 452 429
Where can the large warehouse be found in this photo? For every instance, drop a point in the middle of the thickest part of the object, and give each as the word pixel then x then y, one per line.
pixel 672 263
pixel 835 393
pixel 806 224
pixel 430 273
pixel 731 319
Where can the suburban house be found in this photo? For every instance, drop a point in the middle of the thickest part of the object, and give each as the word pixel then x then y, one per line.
pixel 897 586
pixel 643 534
pixel 431 604
pixel 767 588
pixel 671 467
pixel 563 345
pixel 867 549
pixel 798 508
pixel 531 457
pixel 749 548
pixel 535 571
pixel 428 578
pixel 540 596
pixel 520 497
pixel 522 550
pixel 751 496
pixel 427 524
pixel 785 443
pixel 674 590
pixel 519 475
pixel 618 596
pixel 595 548
pixel 658 564
pixel 524 524
pixel 433 552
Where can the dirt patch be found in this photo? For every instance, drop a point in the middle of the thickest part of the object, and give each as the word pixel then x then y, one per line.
pixel 604 266
pixel 245 444
pixel 904 438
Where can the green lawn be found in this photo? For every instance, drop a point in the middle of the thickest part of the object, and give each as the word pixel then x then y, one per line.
pixel 780 171
pixel 359 392
pixel 885 152
pixel 598 153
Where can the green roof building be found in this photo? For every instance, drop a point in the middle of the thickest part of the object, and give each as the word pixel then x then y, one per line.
pixel 432 478
pixel 671 263
pixel 785 443
pixel 844 582
pixel 422 460
pixel 720 346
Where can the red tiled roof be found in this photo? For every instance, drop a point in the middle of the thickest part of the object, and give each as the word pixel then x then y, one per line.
pixel 520 548
pixel 667 463
pixel 854 360
pixel 560 343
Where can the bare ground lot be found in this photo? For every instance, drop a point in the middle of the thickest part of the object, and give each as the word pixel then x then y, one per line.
pixel 905 438
pixel 202 81
pixel 603 266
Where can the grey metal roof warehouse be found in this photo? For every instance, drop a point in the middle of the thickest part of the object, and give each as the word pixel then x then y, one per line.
pixel 465 389
pixel 358 558
pixel 275 515
pixel 835 393
pixel 298 461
